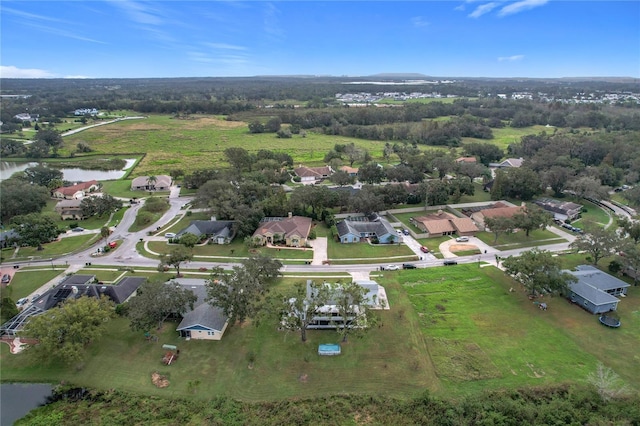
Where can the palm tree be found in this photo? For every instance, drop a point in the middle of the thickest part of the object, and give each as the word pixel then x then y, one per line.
pixel 151 183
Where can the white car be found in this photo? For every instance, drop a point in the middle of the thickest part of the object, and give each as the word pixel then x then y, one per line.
pixel 169 235
pixel 462 239
pixel 391 268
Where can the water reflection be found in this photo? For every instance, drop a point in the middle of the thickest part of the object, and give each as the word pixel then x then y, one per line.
pixel 17 399
pixel 8 168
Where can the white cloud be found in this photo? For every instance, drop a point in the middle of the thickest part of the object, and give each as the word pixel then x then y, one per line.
pixel 139 12
pixel 272 22
pixel 482 9
pixel 77 76
pixel 419 22
pixel 15 72
pixel 31 16
pixel 510 58
pixel 225 46
pixel 521 6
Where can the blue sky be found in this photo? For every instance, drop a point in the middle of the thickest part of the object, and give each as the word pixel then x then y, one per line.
pixel 495 38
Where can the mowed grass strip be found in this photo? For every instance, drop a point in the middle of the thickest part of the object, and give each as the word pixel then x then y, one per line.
pixel 25 282
pixel 390 360
pixel 481 335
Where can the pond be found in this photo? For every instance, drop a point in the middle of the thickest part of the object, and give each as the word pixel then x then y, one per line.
pixel 7 168
pixel 17 399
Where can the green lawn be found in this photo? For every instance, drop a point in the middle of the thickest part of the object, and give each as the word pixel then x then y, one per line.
pixel 56 248
pixel 370 252
pixel 236 250
pixel 593 214
pixel 482 336
pixel 519 239
pixel 389 360
pixel 24 282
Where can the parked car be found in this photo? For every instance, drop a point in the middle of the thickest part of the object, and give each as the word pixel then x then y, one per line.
pixel 6 278
pixel 450 262
pixel 391 268
pixel 408 266
pixel 424 249
pixel 405 232
pixel 35 297
pixel 462 239
pixel 22 302
pixel 169 235
pixel 77 229
pixel 399 231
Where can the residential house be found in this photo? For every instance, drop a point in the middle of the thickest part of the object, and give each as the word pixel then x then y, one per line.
pixel 328 316
pixel 69 209
pixel 78 190
pixel 25 116
pixel 72 287
pixel 311 175
pixel 443 223
pixel 86 111
pixel 8 238
pixel 509 162
pixel 562 210
pixel 204 321
pixel 496 210
pixel 217 231
pixel 142 183
pixel 595 290
pixel 471 160
pixel 293 230
pixel 351 171
pixel 359 229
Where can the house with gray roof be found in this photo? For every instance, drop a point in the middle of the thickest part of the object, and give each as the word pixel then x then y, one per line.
pixel 203 322
pixel 217 231
pixel 358 229
pixel 561 210
pixel 72 287
pixel 595 290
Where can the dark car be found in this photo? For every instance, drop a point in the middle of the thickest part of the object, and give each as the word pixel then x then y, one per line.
pixel 6 278
pixel 450 262
pixel 424 249
pixel 408 266
pixel 78 229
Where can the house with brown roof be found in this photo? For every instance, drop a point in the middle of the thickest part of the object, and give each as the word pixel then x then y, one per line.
pixel 443 223
pixel 471 160
pixel 351 171
pixel 310 175
pixel 76 191
pixel 498 210
pixel 293 230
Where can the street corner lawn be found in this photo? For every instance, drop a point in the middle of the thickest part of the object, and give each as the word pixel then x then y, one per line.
pixel 481 335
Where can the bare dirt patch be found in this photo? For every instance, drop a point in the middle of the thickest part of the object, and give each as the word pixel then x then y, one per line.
pixel 159 380
pixel 203 122
pixel 462 247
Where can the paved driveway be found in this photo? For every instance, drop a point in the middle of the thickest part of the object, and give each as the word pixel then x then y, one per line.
pixel 319 246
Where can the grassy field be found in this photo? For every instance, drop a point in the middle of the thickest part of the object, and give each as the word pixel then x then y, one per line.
pixel 199 143
pixel 482 336
pixel 507 135
pixel 454 331
pixel 25 282
pixel 56 248
pixel 371 252
pixel 519 239
pixel 388 361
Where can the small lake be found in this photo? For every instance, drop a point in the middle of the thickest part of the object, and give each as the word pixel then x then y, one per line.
pixel 17 399
pixel 8 168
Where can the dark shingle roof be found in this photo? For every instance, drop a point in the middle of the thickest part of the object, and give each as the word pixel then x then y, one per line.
pixel 213 228
pixel 203 314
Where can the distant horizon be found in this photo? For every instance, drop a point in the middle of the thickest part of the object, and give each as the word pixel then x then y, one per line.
pixel 503 39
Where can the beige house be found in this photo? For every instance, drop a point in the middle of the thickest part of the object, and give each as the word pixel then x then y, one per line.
pixel 310 175
pixel 76 191
pixel 142 183
pixel 293 230
pixel 69 209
